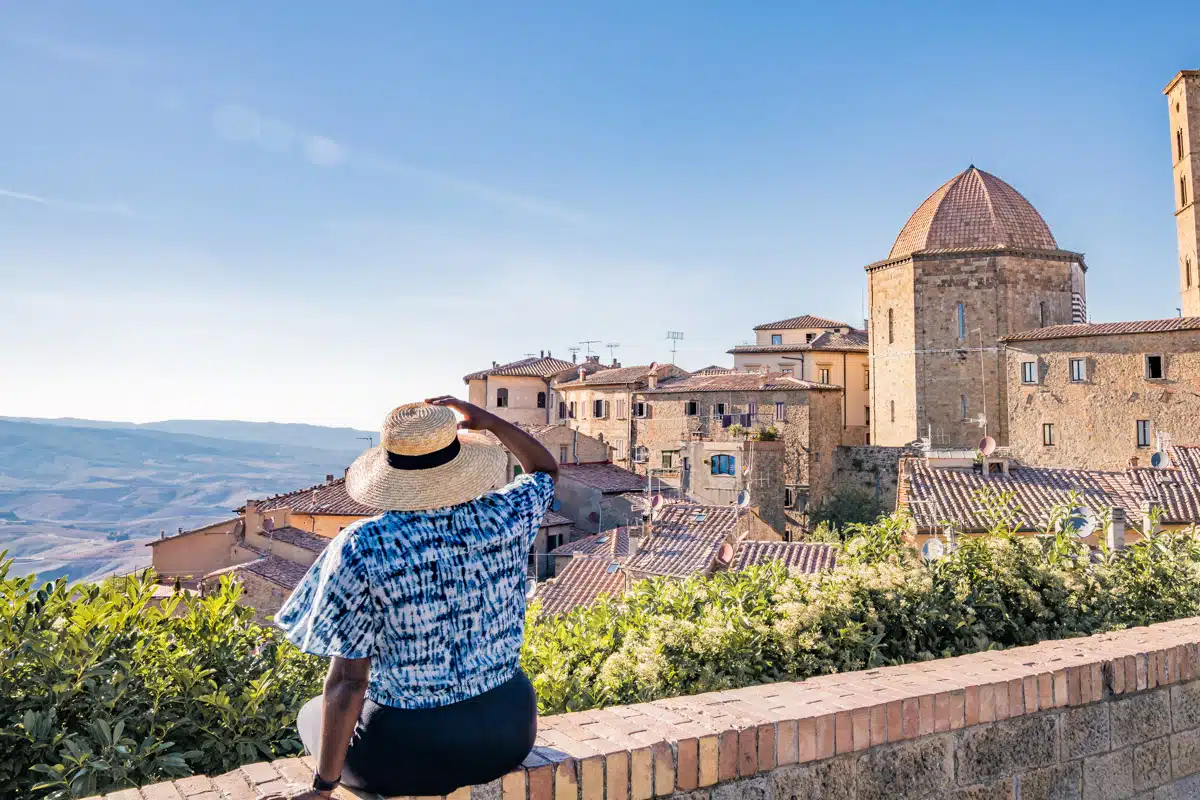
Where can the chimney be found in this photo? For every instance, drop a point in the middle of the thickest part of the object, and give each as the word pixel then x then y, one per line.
pixel 616 363
pixel 548 354
pixel 254 517
pixel 329 477
pixel 647 528
pixel 574 356
pixel 541 354
pixel 1114 537
pixel 615 536
pixel 652 376
pixel 495 364
pixel 866 323
pixel 581 374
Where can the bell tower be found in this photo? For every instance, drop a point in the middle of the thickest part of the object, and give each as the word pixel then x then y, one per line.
pixel 1183 98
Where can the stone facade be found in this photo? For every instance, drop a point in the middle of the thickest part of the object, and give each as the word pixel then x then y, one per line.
pixel 918 359
pixel 1183 101
pixel 872 468
pixel 1095 421
pixel 1108 717
pixel 765 484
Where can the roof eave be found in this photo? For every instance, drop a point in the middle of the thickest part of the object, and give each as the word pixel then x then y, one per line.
pixel 1002 250
pixel 1183 73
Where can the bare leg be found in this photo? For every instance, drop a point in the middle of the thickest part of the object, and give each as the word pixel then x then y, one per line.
pixel 308 724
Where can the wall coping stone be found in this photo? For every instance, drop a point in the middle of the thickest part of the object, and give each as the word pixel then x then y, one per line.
pixel 680 744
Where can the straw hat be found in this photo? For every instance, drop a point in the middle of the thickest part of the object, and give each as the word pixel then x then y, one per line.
pixel 423 461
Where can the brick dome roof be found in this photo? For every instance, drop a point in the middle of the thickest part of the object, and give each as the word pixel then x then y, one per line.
pixel 974 209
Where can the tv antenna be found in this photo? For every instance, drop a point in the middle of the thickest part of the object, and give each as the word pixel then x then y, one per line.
pixel 530 355
pixel 675 337
pixel 370 440
pixel 588 344
pixel 574 350
pixel 611 347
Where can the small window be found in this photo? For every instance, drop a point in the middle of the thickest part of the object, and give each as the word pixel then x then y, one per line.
pixel 867 414
pixel 891 328
pixel 691 408
pixel 1029 372
pixel 1042 314
pixel 1183 193
pixel 823 375
pixel 787 371
pixel 892 409
pixel 961 320
pixel 564 453
pixel 866 379
pixel 752 410
pixel 719 409
pixel 780 412
pixel 776 338
pixel 1048 434
pixel 598 409
pixel 1143 433
pixel 1078 370
pixel 963 403
pixel 723 465
pixel 502 398
pixel 816 458
pixel 640 410
pixel 640 454
pixel 789 496
pixel 620 409
pixel 562 410
pixel 668 459
pixel 553 541
pixel 1154 368
pixel 571 410
pixel 1187 268
pixel 808 337
pixel 541 400
pixel 1179 145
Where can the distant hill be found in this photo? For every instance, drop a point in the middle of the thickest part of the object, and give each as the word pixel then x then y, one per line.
pixel 288 433
pixel 69 493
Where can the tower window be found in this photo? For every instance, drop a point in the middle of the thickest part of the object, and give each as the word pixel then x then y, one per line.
pixel 1042 314
pixel 1154 367
pixel 892 409
pixel 1143 433
pixel 891 328
pixel 1029 372
pixel 1183 195
pixel 963 403
pixel 1048 434
pixel 867 414
pixel 1179 145
pixel 961 318
pixel 1078 370
pixel 1187 268
pixel 867 378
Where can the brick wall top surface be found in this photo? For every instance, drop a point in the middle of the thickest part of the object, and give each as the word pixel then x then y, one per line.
pixel 677 745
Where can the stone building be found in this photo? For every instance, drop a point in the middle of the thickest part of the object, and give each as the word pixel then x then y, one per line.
pixel 1098 396
pixel 520 391
pixel 974 263
pixel 599 403
pixel 805 416
pixel 819 350
pixel 1183 99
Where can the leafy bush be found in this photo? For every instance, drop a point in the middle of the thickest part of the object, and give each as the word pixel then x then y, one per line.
pixel 846 506
pixel 100 689
pixel 883 605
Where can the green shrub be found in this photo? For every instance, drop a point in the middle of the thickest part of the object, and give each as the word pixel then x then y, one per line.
pixel 844 507
pixel 100 689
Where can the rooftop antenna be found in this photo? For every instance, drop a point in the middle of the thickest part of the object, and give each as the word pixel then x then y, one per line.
pixel 370 440
pixel 675 337
pixel 530 355
pixel 574 352
pixel 612 346
pixel 588 343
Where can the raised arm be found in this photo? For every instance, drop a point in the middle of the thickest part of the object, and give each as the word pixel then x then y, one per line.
pixel 528 450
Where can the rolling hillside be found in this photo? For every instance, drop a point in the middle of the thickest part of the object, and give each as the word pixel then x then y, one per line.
pixel 80 498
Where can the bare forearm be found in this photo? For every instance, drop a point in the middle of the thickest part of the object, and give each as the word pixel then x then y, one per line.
pixel 534 457
pixel 345 690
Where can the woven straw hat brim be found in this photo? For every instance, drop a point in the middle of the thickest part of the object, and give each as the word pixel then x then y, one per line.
pixel 477 469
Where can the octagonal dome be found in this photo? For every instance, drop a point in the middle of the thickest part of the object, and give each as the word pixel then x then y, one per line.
pixel 974 209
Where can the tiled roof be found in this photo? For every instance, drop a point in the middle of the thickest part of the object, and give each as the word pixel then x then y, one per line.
pixel 714 369
pixel 324 498
pixel 1186 459
pixel 599 544
pixel 737 382
pixel 277 570
pixel 973 209
pixel 1175 488
pixel 1107 329
pixel 685 540
pixel 553 519
pixel 806 557
pixel 622 375
pixel 581 581
pixel 853 342
pixel 669 494
pixel 934 495
pixel 533 367
pixel 608 478
pixel 303 539
pixel 805 321
pixel 194 531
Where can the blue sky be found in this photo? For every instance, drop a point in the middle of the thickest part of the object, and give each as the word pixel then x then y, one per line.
pixel 315 212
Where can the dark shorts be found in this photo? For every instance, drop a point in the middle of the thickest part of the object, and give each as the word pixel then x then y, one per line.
pixel 433 751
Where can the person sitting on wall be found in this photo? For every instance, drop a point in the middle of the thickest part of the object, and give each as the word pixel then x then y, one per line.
pixel 422 609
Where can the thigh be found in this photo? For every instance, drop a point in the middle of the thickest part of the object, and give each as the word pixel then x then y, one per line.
pixel 308 725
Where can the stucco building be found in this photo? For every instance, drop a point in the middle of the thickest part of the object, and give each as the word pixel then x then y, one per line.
pixel 818 350
pixel 521 391
pixel 973 264
pixel 1183 105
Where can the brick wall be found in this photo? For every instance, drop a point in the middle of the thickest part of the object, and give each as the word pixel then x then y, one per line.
pixel 1095 422
pixel 1106 717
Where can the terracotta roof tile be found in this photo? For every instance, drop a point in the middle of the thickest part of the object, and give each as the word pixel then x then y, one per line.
pixel 1107 329
pixel 622 375
pixel 324 498
pixel 608 478
pixel 581 581
pixel 599 544
pixel 554 519
pixel 803 557
pixel 279 571
pixel 738 382
pixel 534 368
pixel 853 342
pixel 303 539
pixel 804 321
pixel 685 540
pixel 714 369
pixel 974 209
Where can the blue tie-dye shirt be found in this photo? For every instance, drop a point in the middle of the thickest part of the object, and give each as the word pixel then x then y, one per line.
pixel 436 599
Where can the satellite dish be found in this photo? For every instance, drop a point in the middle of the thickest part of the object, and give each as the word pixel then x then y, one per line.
pixel 743 498
pixel 1159 459
pixel 530 587
pixel 656 502
pixel 555 504
pixel 725 554
pixel 268 524
pixel 933 549
pixel 1080 521
pixel 987 445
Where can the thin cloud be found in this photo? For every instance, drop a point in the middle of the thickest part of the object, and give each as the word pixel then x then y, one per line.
pixel 117 209
pixel 70 52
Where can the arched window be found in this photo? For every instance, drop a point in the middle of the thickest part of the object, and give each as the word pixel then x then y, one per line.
pixel 891 328
pixel 541 399
pixel 502 398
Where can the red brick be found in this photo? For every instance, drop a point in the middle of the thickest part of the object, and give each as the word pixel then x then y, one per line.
pixel 1002 707
pixel 566 780
pixel 641 773
pixel 1031 693
pixel 766 747
pixel 513 786
pixel 941 712
pixel 274 787
pixel 197 784
pixel 261 772
pixel 129 794
pixel 234 786
pixel 971 706
pixel 293 770
pixel 826 738
pixel 1061 689
pixel 787 742
pixel 664 769
pixel 616 776
pixel 1016 697
pixel 161 791
pixel 727 756
pixel 910 717
pixel 541 782
pixel 860 720
pixel 925 719
pixel 710 760
pixel 591 778
pixel 747 751
pixel 1097 683
pixel 688 770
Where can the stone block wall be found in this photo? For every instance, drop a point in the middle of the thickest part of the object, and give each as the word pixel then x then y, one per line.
pixel 1108 717
pixel 874 469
